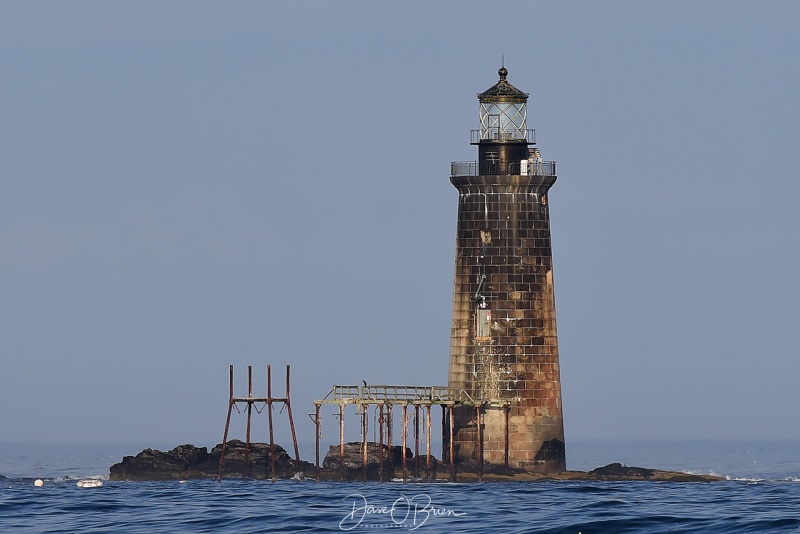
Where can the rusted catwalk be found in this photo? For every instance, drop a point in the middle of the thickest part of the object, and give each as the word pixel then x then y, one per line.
pixel 254 402
pixel 416 440
pixel 428 440
pixel 341 441
pixel 404 434
pixel 318 436
pixel 452 454
pixel 380 443
pixel 384 398
pixel 365 435
pixel 389 430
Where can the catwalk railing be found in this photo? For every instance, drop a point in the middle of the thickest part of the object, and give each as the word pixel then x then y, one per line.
pixel 385 398
pixel 398 394
pixel 496 133
pixel 476 168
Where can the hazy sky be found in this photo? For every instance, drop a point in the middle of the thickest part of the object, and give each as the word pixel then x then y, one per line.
pixel 188 185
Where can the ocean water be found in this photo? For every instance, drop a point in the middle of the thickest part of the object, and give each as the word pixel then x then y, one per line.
pixel 761 494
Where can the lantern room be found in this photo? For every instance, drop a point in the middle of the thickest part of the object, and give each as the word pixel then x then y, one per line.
pixel 503 137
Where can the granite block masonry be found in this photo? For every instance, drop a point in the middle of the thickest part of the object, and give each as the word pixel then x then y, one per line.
pixel 504 348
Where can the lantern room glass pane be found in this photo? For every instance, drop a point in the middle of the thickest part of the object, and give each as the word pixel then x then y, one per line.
pixel 503 120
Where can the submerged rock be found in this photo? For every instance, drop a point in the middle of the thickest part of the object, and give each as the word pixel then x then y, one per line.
pixel 617 471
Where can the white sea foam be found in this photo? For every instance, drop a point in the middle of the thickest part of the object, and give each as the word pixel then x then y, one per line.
pixel 750 480
pixel 75 478
pixel 89 483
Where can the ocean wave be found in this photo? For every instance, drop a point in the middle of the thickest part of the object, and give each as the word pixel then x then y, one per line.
pixel 247 506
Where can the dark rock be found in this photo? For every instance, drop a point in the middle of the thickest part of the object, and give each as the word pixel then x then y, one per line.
pixel 259 463
pixel 470 465
pixel 354 456
pixel 187 461
pixel 151 464
pixel 619 470
pixel 392 463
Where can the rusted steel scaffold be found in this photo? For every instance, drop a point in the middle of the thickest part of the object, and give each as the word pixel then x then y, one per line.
pixel 254 402
pixel 384 398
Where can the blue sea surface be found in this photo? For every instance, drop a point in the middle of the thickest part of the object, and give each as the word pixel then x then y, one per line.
pixel 761 494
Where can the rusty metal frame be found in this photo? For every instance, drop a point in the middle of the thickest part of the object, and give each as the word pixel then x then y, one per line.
pixel 384 397
pixel 252 402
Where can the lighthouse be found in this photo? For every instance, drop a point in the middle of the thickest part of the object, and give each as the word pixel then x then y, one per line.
pixel 503 347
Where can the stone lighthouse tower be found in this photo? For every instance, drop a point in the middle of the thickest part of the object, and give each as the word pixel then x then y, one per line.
pixel 503 347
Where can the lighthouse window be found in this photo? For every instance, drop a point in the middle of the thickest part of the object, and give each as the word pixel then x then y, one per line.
pixel 503 120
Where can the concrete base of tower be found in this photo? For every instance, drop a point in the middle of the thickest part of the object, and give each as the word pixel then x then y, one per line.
pixel 514 436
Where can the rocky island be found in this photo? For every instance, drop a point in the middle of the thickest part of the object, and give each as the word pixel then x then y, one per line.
pixel 190 462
